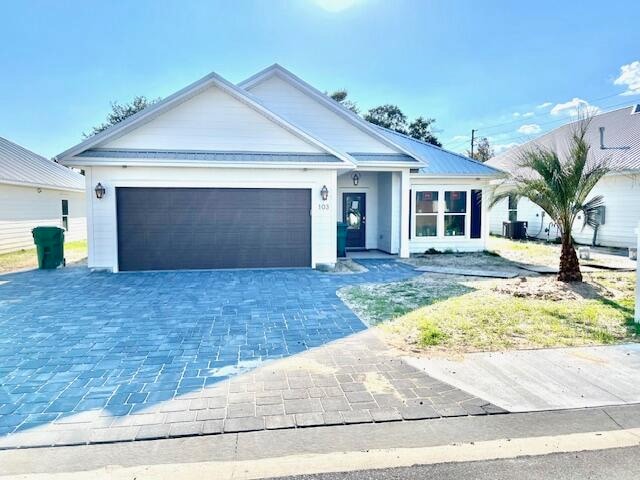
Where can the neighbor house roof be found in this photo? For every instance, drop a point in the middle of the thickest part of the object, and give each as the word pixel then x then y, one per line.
pixel 620 147
pixel 440 162
pixel 19 166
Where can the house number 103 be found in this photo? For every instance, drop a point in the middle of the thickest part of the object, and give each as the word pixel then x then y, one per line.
pixel 323 206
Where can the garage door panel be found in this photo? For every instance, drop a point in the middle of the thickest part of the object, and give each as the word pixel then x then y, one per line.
pixel 191 228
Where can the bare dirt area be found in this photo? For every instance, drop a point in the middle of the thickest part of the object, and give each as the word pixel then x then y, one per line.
pixel 472 261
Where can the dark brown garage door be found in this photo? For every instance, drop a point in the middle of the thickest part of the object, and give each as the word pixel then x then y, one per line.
pixel 193 228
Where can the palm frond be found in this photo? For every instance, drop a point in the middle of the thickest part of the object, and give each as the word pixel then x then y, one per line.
pixel 591 211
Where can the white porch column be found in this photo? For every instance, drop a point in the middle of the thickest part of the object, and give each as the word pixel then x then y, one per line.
pixel 404 213
pixel 638 275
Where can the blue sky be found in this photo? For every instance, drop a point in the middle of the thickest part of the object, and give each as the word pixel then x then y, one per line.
pixel 470 64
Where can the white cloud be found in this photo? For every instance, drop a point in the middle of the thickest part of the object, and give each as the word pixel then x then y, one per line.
pixel 460 138
pixel 530 129
pixel 574 108
pixel 336 5
pixel 528 114
pixel 501 147
pixel 545 105
pixel 629 77
pixel 516 114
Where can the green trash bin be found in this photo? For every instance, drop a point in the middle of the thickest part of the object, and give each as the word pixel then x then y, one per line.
pixel 50 246
pixel 342 239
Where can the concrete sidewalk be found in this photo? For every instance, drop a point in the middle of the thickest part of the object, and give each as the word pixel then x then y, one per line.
pixel 288 452
pixel 546 379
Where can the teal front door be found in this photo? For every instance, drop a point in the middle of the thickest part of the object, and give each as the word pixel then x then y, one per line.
pixel 354 210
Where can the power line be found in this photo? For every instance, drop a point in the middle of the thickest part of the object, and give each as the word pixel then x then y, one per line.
pixel 550 122
pixel 539 114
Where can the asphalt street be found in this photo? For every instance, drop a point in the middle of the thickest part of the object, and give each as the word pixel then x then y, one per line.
pixel 617 463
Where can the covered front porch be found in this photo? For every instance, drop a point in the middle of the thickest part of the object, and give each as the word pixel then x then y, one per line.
pixel 375 207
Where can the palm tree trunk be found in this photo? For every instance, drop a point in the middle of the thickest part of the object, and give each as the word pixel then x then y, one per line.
pixel 569 265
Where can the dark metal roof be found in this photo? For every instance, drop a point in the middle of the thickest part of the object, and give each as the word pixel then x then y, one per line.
pixel 21 166
pixel 212 156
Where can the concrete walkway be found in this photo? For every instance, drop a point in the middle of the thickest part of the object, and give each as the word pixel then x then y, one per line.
pixel 333 449
pixel 534 380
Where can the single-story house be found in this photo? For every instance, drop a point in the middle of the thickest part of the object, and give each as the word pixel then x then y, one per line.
pixel 614 137
pixel 34 192
pixel 258 174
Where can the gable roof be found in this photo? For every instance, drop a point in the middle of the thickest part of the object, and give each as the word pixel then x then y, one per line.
pixel 440 162
pixel 19 166
pixel 324 99
pixel 184 94
pixel 621 142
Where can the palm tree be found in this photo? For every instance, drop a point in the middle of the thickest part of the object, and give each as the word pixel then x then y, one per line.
pixel 560 186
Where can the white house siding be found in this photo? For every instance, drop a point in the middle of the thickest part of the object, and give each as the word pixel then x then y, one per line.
pixel 212 120
pixel 621 195
pixel 315 118
pixel 442 243
pixel 103 239
pixel 24 208
pixel 385 211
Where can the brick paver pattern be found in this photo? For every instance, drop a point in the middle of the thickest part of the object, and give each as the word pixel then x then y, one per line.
pixel 89 357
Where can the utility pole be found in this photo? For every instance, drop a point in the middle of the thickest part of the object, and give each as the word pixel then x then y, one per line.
pixel 473 138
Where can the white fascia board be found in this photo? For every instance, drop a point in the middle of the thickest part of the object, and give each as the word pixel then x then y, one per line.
pixel 383 165
pixel 184 94
pixel 465 176
pixel 40 185
pixel 331 104
pixel 128 162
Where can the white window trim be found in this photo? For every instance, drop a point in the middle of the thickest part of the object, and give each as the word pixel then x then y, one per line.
pixel 509 209
pixel 441 212
pixel 416 214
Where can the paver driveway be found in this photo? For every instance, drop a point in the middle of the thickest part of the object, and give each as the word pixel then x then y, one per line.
pixel 73 341
pixel 89 357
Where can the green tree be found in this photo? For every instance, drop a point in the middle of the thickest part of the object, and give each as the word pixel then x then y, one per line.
pixel 483 151
pixel 120 112
pixel 560 186
pixel 388 116
pixel 340 96
pixel 420 129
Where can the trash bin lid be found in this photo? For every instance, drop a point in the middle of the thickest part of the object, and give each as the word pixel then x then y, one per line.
pixel 45 234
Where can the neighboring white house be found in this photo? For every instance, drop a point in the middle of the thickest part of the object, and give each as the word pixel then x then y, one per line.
pixel 614 137
pixel 219 175
pixel 35 192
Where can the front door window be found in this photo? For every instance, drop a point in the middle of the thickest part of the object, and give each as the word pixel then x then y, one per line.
pixel 354 215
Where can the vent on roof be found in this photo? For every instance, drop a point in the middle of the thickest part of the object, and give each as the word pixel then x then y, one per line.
pixel 636 109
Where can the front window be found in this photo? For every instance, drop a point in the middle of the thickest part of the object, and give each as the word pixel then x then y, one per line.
pixel 455 213
pixel 426 214
pixel 513 208
pixel 65 214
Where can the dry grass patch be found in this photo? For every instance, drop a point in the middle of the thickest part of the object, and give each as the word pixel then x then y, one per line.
pixel 26 259
pixel 461 314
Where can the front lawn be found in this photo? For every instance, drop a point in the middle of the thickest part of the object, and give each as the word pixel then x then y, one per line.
pixel 462 314
pixel 25 259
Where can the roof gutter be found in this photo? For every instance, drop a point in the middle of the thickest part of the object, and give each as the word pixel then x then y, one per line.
pixel 101 162
pixel 40 185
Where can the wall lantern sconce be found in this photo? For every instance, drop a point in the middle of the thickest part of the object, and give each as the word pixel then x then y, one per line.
pixel 324 193
pixel 100 191
pixel 356 179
